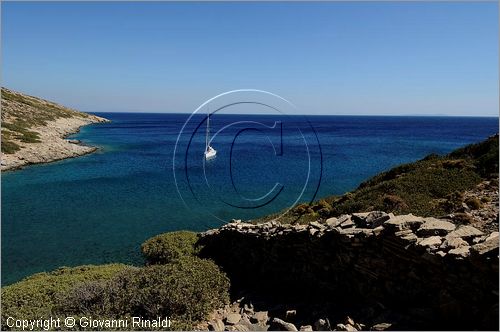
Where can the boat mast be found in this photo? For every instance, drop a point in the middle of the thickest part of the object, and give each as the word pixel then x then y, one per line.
pixel 208 131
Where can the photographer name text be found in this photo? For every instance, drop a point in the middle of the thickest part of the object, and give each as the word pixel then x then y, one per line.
pixel 87 323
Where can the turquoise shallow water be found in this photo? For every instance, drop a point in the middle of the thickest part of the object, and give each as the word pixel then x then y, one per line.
pixel 100 207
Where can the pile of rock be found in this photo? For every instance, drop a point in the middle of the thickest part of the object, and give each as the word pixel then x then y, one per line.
pixel 430 268
pixel 241 316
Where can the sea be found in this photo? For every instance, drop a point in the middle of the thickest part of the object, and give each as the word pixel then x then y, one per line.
pixel 149 176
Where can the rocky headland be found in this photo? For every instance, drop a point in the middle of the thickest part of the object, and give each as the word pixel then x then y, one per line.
pixel 35 130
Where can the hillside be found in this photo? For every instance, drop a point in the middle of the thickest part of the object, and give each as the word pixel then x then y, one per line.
pixel 33 130
pixel 434 186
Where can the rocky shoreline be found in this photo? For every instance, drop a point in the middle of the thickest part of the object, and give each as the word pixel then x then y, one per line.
pixel 34 131
pixel 54 145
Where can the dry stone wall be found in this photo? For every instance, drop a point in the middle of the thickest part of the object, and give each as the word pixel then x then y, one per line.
pixel 438 273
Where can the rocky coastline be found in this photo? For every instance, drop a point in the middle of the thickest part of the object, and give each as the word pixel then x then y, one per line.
pixel 49 123
pixel 54 145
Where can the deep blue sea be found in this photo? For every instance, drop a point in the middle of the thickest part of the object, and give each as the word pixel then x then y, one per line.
pixel 145 179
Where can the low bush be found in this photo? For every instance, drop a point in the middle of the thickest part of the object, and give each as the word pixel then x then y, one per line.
pixel 9 147
pixel 186 290
pixel 37 295
pixel 168 247
pixel 473 203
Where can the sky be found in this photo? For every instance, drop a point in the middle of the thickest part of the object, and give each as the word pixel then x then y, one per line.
pixel 385 58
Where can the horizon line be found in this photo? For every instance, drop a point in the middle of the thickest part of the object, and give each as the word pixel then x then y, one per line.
pixel 301 114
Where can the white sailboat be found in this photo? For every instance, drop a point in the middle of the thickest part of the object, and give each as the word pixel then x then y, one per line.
pixel 210 152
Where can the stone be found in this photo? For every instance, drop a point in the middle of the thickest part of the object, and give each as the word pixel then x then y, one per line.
pixel 331 222
pixel 376 218
pixel 381 327
pixel 322 325
pixel 216 325
pixel 492 236
pixel 248 308
pixel 489 247
pixel 402 222
pixel 454 242
pixel 440 253
pixel 410 238
pixel 360 217
pixel 316 225
pixel 306 328
pixel 431 242
pixel 345 327
pixel 290 314
pixel 281 325
pixel 347 223
pixel 259 317
pixel 460 252
pixel 465 232
pixel 241 327
pixel 433 226
pixel 378 230
pixel 233 318
pixel 349 320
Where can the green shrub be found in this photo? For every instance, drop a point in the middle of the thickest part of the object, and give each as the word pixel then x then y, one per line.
pixel 462 219
pixel 36 296
pixel 186 290
pixel 9 147
pixel 168 247
pixel 393 203
pixel 473 203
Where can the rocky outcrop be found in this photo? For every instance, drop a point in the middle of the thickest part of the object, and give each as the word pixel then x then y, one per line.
pixel 52 145
pixel 434 273
pixel 48 123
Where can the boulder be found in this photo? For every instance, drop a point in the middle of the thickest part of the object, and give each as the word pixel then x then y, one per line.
pixel 381 327
pixel 402 222
pixel 241 327
pixel 316 225
pixel 488 247
pixel 322 325
pixel 460 252
pixel 345 327
pixel 376 218
pixel 492 236
pixel 259 317
pixel 331 222
pixel 281 325
pixel 433 226
pixel 216 325
pixel 233 318
pixel 347 222
pixel 431 242
pixel 465 232
pixel 290 314
pixel 453 242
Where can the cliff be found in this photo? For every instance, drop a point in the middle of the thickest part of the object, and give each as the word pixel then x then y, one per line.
pixel 34 130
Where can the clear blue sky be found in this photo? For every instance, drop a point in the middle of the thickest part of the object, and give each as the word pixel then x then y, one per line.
pixel 327 58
